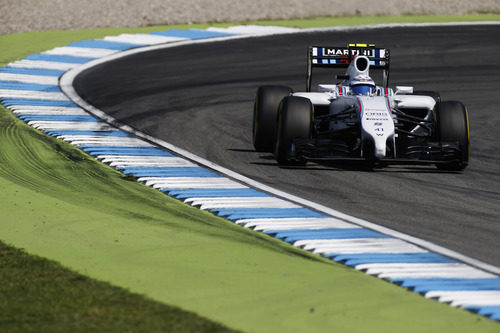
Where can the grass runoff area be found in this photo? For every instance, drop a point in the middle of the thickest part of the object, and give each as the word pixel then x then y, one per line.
pixel 125 257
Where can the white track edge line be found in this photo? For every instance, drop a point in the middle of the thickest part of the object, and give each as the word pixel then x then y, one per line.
pixel 66 84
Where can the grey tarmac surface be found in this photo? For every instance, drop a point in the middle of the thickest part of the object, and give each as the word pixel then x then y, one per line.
pixel 200 98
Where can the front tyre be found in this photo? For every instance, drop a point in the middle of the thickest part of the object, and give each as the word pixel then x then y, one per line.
pixel 453 127
pixel 265 112
pixel 294 122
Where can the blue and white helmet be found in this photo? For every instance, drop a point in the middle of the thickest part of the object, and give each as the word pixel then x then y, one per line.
pixel 362 85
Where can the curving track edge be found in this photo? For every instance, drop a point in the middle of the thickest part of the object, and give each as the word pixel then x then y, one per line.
pixel 30 88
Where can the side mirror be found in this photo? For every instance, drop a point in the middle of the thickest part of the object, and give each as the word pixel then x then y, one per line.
pixel 404 90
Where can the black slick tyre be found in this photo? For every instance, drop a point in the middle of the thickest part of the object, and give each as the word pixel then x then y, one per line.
pixel 265 112
pixel 453 127
pixel 294 122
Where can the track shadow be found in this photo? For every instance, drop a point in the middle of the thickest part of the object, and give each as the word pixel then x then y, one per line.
pixel 242 150
pixel 267 159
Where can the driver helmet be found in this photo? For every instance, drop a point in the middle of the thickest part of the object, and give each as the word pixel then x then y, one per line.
pixel 362 85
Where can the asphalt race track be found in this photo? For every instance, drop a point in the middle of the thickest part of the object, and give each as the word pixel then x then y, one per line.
pixel 200 98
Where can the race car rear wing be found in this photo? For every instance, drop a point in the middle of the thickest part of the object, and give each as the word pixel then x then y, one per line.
pixel 341 57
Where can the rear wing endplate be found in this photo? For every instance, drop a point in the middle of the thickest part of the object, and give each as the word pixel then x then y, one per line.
pixel 341 57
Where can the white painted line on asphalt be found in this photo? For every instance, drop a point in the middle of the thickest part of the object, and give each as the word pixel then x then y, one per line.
pixel 295 223
pixel 63 66
pixel 467 298
pixel 26 78
pixel 105 141
pixel 30 94
pixel 71 125
pixel 240 202
pixel 142 39
pixel 174 162
pixel 86 52
pixel 358 245
pixel 419 270
pixel 123 161
pixel 190 182
pixel 43 109
pixel 72 112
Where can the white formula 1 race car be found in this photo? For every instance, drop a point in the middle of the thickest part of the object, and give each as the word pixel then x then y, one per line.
pixel 356 119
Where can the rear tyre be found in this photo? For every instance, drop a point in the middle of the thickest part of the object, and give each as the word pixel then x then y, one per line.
pixel 265 112
pixel 294 122
pixel 453 127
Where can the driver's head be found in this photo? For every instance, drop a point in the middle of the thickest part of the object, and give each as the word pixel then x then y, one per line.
pixel 362 85
pixel 363 89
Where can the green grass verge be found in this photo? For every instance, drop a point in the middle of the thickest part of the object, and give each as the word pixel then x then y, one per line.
pixel 38 295
pixel 59 203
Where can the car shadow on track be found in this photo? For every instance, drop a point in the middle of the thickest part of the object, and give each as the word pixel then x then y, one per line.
pixel 355 166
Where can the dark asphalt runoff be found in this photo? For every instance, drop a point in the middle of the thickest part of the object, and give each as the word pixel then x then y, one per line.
pixel 200 98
